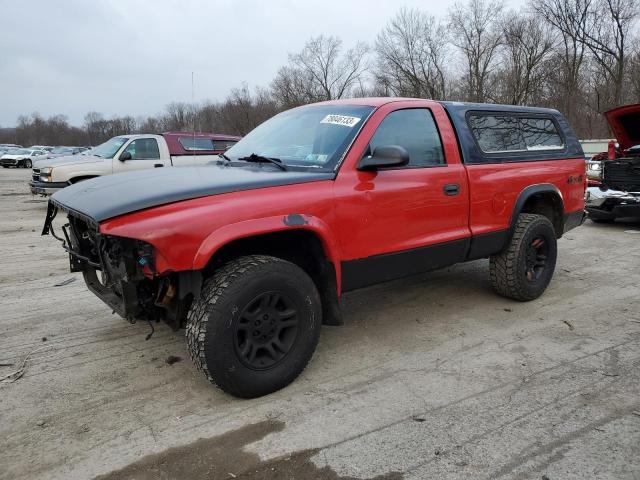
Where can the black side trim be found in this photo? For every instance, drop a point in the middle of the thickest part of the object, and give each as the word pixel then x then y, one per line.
pixel 487 244
pixel 382 268
pixel 573 220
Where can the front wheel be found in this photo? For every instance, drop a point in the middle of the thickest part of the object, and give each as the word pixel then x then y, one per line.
pixel 27 164
pixel 524 269
pixel 255 326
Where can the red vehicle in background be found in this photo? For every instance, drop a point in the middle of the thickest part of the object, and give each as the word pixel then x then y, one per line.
pixel 127 153
pixel 253 254
pixel 615 190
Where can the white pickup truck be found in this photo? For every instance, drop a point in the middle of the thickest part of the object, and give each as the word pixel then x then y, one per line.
pixel 126 153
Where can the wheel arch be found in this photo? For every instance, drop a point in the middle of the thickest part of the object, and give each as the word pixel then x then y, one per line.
pixel 80 178
pixel 543 199
pixel 301 239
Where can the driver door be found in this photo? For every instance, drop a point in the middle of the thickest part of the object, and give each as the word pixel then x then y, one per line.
pixel 144 153
pixel 409 219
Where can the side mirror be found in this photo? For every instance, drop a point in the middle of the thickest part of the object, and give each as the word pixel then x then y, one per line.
pixel 385 156
pixel 125 156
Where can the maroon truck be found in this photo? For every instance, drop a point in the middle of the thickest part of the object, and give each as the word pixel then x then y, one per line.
pixel 127 153
pixel 253 254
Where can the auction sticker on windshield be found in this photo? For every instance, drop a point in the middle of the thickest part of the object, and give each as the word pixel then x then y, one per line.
pixel 344 120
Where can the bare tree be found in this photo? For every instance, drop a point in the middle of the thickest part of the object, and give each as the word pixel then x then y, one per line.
pixel 633 77
pixel 179 116
pixel 320 72
pixel 527 45
pixel 606 33
pixel 411 55
pixel 241 112
pixel 34 129
pixel 566 85
pixel 476 32
pixel 291 87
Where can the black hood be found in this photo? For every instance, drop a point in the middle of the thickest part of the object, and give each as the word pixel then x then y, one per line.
pixel 113 195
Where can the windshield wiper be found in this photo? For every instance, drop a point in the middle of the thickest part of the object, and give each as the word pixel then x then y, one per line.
pixel 224 156
pixel 262 159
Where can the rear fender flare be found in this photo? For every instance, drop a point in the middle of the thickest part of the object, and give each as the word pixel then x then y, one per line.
pixel 526 194
pixel 259 226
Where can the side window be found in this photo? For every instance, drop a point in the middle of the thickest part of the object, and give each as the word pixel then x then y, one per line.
pixel 511 133
pixel 144 149
pixel 540 134
pixel 223 144
pixel 497 133
pixel 194 144
pixel 416 131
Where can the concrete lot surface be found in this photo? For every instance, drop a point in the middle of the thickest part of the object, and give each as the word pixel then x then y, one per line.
pixel 432 377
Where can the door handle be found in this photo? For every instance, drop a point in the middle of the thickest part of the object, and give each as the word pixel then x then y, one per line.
pixel 158 165
pixel 451 189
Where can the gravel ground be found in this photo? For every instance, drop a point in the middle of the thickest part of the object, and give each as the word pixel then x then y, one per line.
pixel 431 377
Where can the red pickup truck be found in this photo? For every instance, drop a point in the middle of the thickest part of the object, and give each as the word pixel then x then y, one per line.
pixel 253 254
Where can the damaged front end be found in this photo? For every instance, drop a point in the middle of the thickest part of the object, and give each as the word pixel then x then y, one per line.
pixel 619 194
pixel 122 271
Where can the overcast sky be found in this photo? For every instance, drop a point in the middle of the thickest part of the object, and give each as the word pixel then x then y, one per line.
pixel 133 56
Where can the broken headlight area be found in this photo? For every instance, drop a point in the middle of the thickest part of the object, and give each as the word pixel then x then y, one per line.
pixel 122 273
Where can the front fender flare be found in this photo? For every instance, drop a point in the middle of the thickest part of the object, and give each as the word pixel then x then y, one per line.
pixel 259 226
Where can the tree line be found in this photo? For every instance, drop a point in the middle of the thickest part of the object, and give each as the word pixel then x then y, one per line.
pixel 581 57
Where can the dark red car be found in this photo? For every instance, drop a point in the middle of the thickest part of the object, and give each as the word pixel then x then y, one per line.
pixel 253 254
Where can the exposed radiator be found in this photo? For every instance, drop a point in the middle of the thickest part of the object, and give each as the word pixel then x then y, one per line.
pixel 622 174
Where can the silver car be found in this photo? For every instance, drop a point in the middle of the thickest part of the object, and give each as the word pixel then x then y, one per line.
pixel 21 157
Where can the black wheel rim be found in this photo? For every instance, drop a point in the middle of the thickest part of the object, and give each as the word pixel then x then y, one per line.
pixel 536 258
pixel 27 164
pixel 266 331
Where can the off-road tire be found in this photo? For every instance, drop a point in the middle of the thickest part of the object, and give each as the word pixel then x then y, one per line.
pixel 508 269
pixel 213 323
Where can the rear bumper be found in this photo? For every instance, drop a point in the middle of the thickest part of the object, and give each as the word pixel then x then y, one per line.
pixel 46 188
pixel 612 204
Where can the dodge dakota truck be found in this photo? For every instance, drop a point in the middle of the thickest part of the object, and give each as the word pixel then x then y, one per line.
pixel 127 153
pixel 618 169
pixel 252 254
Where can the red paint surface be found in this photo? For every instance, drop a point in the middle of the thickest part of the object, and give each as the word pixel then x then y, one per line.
pixel 358 214
pixel 626 139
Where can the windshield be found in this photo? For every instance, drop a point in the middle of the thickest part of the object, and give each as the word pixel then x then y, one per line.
pixel 316 136
pixel 19 151
pixel 109 148
pixel 58 150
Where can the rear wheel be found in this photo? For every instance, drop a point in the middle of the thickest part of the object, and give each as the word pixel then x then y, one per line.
pixel 255 326
pixel 524 269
